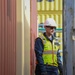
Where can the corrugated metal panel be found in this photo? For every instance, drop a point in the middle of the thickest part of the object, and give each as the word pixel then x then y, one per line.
pixel 53 5
pixel 7 37
pixel 69 37
pixel 57 17
pixel 33 34
pixel 51 9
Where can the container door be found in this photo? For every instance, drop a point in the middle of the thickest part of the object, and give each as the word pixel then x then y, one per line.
pixel 33 35
pixel 7 37
pixel 69 37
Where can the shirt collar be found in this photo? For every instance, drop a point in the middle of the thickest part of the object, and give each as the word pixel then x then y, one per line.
pixel 50 39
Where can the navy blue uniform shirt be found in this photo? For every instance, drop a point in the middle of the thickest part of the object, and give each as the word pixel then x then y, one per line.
pixel 39 51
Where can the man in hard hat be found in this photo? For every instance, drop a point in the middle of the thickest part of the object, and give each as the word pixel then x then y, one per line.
pixel 45 50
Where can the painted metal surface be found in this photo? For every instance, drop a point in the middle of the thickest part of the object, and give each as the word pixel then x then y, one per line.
pixel 52 9
pixel 74 42
pixel 69 35
pixel 7 37
pixel 53 5
pixel 33 34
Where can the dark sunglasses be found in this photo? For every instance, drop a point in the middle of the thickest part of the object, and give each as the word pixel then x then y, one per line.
pixel 51 27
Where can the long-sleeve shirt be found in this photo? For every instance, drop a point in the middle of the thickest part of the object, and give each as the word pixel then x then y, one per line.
pixel 39 51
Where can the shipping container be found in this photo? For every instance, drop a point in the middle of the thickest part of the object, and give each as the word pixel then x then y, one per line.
pixel 69 37
pixel 33 35
pixel 19 21
pixel 7 37
pixel 26 34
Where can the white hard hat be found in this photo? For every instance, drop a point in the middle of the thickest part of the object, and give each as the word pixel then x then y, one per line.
pixel 50 22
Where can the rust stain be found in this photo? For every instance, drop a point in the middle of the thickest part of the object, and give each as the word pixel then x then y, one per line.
pixel 71 11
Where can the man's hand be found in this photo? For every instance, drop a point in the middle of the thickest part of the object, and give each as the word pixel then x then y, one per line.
pixel 44 73
pixel 61 73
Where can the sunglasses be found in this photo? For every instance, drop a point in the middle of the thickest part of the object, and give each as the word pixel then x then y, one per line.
pixel 51 27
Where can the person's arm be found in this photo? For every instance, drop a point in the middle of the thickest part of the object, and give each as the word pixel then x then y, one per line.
pixel 38 52
pixel 60 66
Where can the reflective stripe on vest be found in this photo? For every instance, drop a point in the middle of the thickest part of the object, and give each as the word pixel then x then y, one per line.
pixel 50 52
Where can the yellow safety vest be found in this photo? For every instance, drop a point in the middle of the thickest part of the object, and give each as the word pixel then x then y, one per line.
pixel 50 51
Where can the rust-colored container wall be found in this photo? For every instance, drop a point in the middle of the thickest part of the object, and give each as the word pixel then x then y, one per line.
pixel 33 31
pixel 7 37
